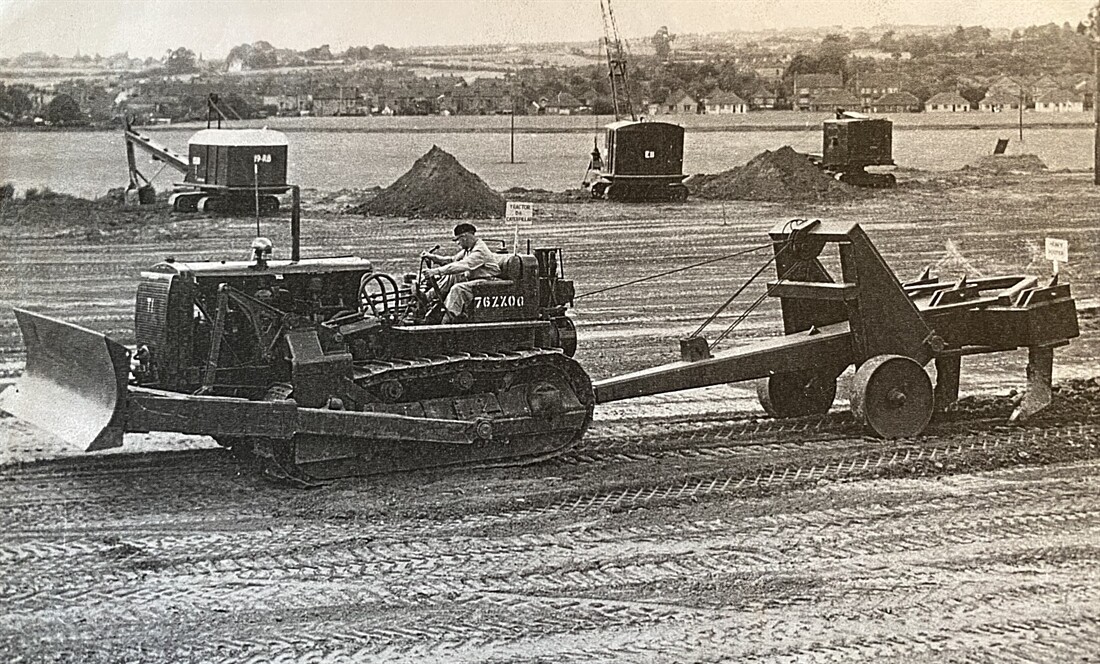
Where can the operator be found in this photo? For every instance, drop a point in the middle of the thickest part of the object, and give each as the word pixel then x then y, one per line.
pixel 595 167
pixel 458 274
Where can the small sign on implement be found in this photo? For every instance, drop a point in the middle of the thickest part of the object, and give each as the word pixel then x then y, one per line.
pixel 519 212
pixel 1057 250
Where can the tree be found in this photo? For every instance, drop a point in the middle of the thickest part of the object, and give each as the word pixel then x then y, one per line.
pixel 64 111
pixel 357 53
pixel 260 55
pixel 662 43
pixel 180 61
pixel 382 51
pixel 832 54
pixel 322 52
pixel 14 101
pixel 972 93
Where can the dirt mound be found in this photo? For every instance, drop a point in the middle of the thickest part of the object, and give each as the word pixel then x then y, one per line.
pixel 43 208
pixel 1009 163
pixel 437 186
pixel 780 175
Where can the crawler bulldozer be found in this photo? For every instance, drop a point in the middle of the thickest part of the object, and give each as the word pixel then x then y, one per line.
pixel 323 366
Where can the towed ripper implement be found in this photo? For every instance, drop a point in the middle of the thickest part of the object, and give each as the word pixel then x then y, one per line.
pixel 868 319
pixel 329 369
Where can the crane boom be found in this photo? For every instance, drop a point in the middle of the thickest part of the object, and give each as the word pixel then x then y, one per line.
pixel 157 151
pixel 616 63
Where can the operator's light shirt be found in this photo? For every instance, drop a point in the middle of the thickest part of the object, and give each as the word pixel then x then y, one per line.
pixel 480 262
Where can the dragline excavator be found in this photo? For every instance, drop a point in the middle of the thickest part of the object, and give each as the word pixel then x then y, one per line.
pixel 645 160
pixel 225 170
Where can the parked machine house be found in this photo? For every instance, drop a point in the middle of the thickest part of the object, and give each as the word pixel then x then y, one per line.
pixel 645 162
pixel 853 141
pixel 237 171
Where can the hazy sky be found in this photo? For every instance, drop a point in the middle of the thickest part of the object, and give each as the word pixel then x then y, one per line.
pixel 212 27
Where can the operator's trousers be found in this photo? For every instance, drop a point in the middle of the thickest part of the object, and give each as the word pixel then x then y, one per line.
pixel 458 291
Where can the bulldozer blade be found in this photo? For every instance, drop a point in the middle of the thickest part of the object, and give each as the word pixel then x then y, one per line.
pixel 74 382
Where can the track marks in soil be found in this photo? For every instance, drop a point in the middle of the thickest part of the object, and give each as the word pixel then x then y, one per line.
pixel 745 540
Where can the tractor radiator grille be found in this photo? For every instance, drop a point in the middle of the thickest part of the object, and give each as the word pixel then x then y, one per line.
pixel 151 312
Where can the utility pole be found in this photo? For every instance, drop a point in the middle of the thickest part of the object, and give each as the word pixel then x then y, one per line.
pixel 1020 103
pixel 1094 32
pixel 1096 108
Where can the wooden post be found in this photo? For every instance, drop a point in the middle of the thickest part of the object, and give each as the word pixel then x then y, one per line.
pixel 1096 112
pixel 1021 104
pixel 295 224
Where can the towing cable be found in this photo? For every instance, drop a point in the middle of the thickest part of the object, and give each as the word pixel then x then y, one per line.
pixel 679 269
pixel 795 229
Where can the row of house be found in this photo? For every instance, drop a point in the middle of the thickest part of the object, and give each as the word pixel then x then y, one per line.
pixel 1055 101
pixel 880 94
pixel 394 93
pixel 722 102
pixel 445 95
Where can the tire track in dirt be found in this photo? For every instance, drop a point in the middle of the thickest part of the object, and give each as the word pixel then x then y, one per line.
pixel 308 542
pixel 441 577
pixel 884 532
pixel 497 628
pixel 915 457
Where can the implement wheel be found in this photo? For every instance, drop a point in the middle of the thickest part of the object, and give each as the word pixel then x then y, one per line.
pixel 892 396
pixel 796 394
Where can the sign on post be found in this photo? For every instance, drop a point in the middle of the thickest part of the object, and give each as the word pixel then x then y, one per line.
pixel 1057 250
pixel 519 212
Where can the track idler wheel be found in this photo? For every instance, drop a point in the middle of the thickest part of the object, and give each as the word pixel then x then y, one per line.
pixel 796 394
pixel 184 201
pixel 892 396
pixel 564 336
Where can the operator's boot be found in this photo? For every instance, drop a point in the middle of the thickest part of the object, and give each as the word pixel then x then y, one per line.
pixel 451 319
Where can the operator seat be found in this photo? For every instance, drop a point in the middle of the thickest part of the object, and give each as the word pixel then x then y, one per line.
pixel 514 296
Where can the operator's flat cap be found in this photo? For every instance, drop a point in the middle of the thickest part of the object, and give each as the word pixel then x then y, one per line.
pixel 464 228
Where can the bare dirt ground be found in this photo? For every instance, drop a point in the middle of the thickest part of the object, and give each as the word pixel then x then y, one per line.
pixel 687 527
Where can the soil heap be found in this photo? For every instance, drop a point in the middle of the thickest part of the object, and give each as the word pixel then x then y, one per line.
pixel 43 208
pixel 436 187
pixel 782 175
pixel 1009 163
